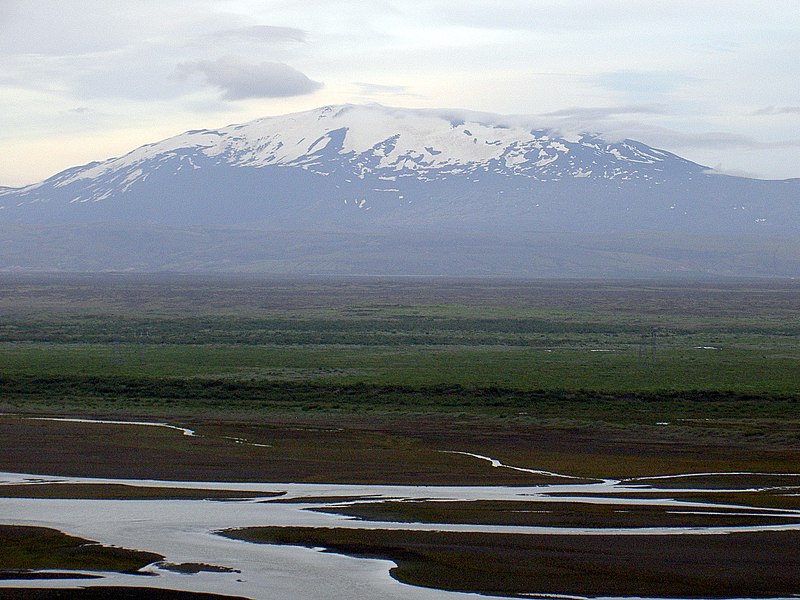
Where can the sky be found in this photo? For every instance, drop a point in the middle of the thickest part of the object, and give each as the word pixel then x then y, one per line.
pixel 715 81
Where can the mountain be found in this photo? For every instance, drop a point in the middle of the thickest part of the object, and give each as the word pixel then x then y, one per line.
pixel 396 179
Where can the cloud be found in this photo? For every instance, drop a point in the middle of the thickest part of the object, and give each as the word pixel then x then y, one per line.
pixel 643 82
pixel 716 139
pixel 263 33
pixel 719 46
pixel 62 28
pixel 604 112
pixel 720 169
pixel 724 140
pixel 627 16
pixel 777 110
pixel 378 89
pixel 239 79
pixel 711 140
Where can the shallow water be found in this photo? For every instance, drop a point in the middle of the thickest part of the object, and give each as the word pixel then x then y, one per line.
pixel 183 531
pixel 184 430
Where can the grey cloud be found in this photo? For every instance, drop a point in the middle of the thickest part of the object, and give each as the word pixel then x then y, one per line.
pixel 239 79
pixel 263 33
pixel 777 110
pixel 604 112
pixel 80 110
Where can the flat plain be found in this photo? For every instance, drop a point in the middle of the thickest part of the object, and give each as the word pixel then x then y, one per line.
pixel 411 381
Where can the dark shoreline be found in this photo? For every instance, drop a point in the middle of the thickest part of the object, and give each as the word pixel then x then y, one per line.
pixel 106 593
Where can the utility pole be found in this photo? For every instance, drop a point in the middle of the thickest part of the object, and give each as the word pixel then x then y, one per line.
pixel 647 348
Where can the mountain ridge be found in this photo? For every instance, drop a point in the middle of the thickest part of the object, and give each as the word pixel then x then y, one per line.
pixel 359 172
pixel 301 139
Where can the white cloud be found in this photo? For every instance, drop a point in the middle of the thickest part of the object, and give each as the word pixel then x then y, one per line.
pixel 599 15
pixel 638 83
pixel 722 140
pixel 374 90
pixel 604 112
pixel 238 79
pixel 262 33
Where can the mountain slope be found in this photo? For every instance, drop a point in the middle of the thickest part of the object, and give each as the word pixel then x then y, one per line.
pixel 419 191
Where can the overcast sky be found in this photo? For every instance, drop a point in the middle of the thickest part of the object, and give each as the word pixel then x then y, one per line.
pixel 716 81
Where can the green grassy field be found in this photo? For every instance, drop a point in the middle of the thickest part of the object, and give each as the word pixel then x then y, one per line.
pixel 617 337
pixel 716 360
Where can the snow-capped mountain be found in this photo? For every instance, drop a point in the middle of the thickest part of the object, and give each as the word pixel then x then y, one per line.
pixel 371 189
pixel 364 141
pixel 343 167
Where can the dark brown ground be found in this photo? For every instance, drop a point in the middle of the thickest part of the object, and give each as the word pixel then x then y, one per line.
pixel 724 482
pixel 557 514
pixel 352 449
pixel 90 491
pixel 107 593
pixel 742 565
pixel 301 451
pixel 776 498
pixel 193 568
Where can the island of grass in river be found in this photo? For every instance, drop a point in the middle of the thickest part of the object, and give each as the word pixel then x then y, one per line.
pixel 681 566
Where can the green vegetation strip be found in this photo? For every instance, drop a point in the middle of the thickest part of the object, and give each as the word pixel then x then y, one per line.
pixel 244 395
pixel 26 548
pixel 754 366
pixel 735 337
pixel 742 565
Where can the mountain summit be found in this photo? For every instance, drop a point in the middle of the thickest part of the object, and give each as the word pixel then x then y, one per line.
pixel 378 171
pixel 361 141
